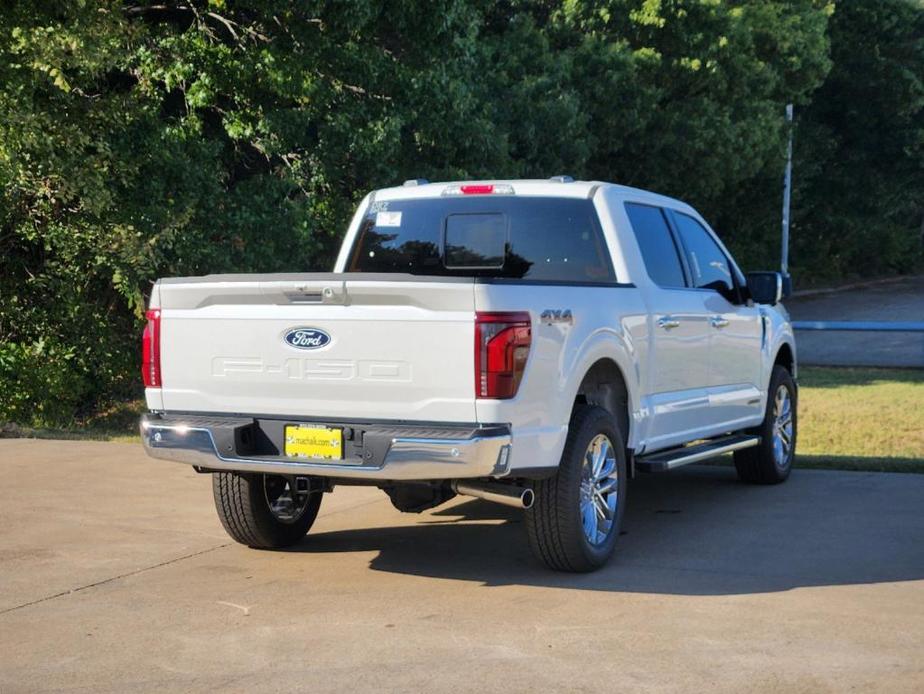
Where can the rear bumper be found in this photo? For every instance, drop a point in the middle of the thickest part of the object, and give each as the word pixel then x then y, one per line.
pixel 371 451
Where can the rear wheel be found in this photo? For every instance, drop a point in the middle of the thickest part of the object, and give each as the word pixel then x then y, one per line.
pixel 575 519
pixel 265 511
pixel 770 462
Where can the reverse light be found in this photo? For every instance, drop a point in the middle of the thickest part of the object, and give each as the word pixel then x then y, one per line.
pixel 150 350
pixel 479 189
pixel 502 342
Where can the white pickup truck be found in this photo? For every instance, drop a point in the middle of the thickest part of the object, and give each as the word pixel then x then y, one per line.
pixel 535 343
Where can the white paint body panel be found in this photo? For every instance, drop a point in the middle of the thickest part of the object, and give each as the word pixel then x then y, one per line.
pixel 402 349
pixel 609 322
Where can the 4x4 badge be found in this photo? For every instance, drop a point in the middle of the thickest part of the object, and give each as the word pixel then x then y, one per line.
pixel 555 315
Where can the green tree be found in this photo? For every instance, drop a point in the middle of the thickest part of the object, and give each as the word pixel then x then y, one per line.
pixel 694 106
pixel 859 183
pixel 139 140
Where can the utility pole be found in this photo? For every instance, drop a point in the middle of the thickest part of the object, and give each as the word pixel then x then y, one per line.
pixel 787 188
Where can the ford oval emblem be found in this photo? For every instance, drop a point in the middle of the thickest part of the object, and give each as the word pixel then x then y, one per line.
pixel 307 338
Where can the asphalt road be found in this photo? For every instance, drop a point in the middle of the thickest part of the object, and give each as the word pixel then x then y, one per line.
pixel 901 300
pixel 115 576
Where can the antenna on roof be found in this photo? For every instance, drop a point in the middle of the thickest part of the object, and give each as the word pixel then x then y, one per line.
pixel 415 182
pixel 562 179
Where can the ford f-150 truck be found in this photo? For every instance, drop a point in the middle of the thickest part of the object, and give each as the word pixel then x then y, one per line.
pixel 535 343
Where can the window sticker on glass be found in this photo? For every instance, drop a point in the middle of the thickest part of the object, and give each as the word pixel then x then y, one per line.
pixel 388 219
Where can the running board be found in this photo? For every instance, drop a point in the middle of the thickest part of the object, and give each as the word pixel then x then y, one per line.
pixel 676 457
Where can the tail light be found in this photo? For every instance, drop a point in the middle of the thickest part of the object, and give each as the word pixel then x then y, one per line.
pixel 502 342
pixel 150 350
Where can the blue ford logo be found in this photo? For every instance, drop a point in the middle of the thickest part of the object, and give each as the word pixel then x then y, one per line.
pixel 307 338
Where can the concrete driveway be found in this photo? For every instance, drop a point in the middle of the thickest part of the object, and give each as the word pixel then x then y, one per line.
pixel 116 576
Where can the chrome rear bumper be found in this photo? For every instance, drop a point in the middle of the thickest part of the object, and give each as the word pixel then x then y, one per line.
pixel 400 452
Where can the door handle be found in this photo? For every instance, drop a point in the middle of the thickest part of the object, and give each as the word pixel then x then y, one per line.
pixel 668 322
pixel 718 322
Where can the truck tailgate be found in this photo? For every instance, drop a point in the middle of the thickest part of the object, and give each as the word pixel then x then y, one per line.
pixel 369 348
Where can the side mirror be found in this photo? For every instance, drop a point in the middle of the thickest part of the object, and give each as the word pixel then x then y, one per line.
pixel 768 287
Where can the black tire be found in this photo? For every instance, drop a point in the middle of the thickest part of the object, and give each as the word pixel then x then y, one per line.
pixel 759 465
pixel 554 523
pixel 241 500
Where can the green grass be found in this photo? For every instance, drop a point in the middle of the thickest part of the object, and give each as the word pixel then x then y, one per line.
pixel 849 419
pixel 861 418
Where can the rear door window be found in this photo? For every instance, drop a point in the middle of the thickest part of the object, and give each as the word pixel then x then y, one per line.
pixel 655 241
pixel 506 237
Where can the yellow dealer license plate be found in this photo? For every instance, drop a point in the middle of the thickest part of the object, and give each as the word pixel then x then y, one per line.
pixel 317 442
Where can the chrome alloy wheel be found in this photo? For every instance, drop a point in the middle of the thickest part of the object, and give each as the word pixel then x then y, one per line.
pixel 599 490
pixel 286 496
pixel 782 426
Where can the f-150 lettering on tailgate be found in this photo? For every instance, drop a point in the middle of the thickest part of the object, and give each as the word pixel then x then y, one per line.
pixel 314 369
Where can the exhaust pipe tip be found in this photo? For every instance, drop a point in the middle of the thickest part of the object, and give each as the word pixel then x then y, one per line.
pixel 528 497
pixel 506 494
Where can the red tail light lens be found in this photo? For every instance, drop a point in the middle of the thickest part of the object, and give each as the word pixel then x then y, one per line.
pixel 477 189
pixel 150 350
pixel 502 342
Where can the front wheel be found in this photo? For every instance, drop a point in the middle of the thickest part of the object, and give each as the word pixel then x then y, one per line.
pixel 265 511
pixel 770 462
pixel 575 519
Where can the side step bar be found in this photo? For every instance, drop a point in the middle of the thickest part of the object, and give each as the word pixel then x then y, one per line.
pixel 676 457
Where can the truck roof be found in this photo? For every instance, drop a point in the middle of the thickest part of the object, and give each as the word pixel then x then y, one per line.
pixel 528 187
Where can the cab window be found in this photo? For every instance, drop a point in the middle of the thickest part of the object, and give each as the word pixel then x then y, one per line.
pixel 495 236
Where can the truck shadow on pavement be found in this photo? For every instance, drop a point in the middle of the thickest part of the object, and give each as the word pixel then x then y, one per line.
pixel 693 532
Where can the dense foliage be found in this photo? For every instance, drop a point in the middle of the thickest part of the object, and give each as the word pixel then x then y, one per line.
pixel 140 139
pixel 860 153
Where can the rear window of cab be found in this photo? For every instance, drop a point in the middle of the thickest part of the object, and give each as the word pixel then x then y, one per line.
pixel 527 238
